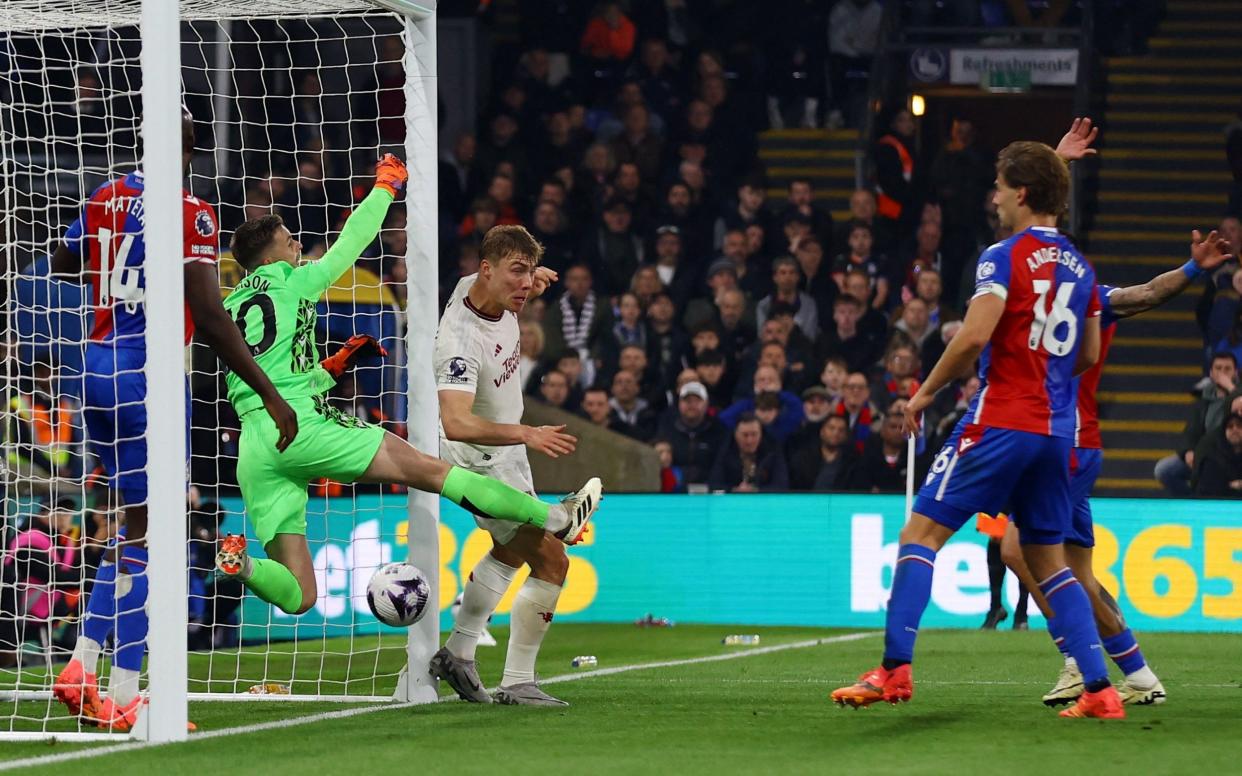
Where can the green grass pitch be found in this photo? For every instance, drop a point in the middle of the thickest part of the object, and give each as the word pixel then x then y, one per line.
pixel 976 709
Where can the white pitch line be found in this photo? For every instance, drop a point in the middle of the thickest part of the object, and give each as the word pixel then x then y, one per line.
pixel 345 713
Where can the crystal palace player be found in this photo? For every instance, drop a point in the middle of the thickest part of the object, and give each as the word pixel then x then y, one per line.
pixel 1141 686
pixel 275 307
pixel 1033 323
pixel 107 243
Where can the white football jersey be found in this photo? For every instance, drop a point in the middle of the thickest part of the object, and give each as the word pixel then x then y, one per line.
pixel 481 355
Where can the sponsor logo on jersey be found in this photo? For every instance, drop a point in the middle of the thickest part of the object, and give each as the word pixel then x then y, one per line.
pixel 985 270
pixel 456 370
pixel 510 365
pixel 203 224
pixel 496 352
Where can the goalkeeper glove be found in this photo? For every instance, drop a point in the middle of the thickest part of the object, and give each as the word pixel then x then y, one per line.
pixel 356 347
pixel 390 174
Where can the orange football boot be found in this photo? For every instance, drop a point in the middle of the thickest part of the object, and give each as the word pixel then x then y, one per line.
pixel 878 684
pixel 1105 704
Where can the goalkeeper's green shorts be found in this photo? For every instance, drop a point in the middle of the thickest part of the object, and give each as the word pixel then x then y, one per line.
pixel 273 484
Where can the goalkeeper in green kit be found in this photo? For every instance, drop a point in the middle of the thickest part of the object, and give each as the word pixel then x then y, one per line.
pixel 275 308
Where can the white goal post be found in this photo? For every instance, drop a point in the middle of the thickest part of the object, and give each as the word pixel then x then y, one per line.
pixel 41 186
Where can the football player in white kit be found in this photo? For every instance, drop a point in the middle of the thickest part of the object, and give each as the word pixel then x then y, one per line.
pixel 476 366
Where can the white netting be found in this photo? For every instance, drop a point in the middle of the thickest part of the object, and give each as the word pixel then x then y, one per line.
pixel 291 114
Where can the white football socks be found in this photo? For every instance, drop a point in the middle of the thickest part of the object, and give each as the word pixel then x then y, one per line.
pixel 86 651
pixel 558 519
pixel 1143 679
pixel 488 583
pixel 528 622
pixel 123 685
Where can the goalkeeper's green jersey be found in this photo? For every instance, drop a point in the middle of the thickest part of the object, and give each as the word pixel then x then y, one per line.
pixel 275 308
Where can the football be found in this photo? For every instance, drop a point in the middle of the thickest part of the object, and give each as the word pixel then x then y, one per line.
pixel 398 594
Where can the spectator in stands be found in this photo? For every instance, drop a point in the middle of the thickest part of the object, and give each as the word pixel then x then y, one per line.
pixel 594 175
pixel 856 407
pixel 934 345
pixel 795 84
pixel 554 390
pixel 827 464
pixel 882 467
pixel 672 477
pixel 914 322
pixel 559 146
pixel 1219 461
pixel 768 379
pixel 634 416
pixel 595 408
pixel 650 387
pixel 629 329
pixel 503 144
pixel 696 436
pixel 926 256
pixel 1221 307
pixel 1232 341
pixel 712 372
pixel 892 382
pixel 861 255
pixel 786 276
pixel 853 35
pixel 862 208
pixel 613 249
pixel 578 318
pixel 816 407
pixel 800 199
pixel 460 178
pixel 667 344
pixel 959 177
pixel 750 463
pixel 41 562
pixel 638 144
pixel 846 339
pixel 530 343
pixel 929 287
pixel 628 186
pixel 670 264
pixel 609 36
pixel 747 209
pixel 859 285
pixel 1174 471
pixel 896 198
pixel 43 429
pixel 551 229
pixel 816 273
pixel 680 210
pixel 662 86
pixel 484 214
pixel 569 363
pixel 832 377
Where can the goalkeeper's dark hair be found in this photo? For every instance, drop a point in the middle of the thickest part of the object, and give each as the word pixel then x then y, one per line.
pixel 252 238
pixel 501 242
pixel 1036 167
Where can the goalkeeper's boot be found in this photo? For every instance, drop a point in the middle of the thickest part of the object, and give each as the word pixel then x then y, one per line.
pixel 75 688
pixel 113 717
pixel 1133 695
pixel 580 506
pixel 232 559
pixel 879 684
pixel 461 675
pixel 526 694
pixel 1068 687
pixel 1105 704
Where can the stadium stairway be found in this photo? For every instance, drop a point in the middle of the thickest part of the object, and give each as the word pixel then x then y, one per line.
pixel 1161 173
pixel 824 156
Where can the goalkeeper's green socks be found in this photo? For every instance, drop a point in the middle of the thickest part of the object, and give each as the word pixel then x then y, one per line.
pixel 486 497
pixel 275 584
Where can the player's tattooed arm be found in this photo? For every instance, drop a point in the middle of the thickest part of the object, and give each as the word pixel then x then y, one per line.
pixel 1206 253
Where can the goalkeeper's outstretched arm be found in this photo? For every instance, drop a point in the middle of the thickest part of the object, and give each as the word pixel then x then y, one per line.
pixel 360 230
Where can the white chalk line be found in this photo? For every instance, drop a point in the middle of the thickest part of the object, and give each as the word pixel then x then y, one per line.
pixel 355 712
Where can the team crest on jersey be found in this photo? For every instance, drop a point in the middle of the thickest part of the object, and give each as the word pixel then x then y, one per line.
pixel 203 224
pixel 986 270
pixel 456 370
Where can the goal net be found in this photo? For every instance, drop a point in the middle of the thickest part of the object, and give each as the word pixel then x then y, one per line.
pixel 292 103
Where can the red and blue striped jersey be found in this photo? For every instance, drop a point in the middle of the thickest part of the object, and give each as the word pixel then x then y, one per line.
pixel 1026 371
pixel 1089 381
pixel 110 231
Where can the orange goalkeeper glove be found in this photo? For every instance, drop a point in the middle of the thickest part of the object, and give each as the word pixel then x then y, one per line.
pixel 356 347
pixel 390 174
